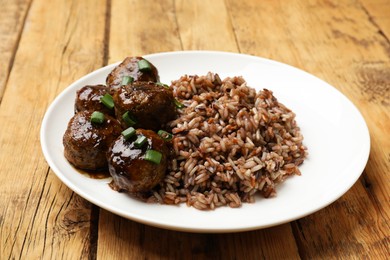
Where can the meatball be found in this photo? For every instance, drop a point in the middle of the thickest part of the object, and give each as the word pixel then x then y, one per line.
pixel 130 67
pixel 88 98
pixel 149 105
pixel 128 167
pixel 86 143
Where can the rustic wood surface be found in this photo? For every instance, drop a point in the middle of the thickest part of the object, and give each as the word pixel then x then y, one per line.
pixel 46 45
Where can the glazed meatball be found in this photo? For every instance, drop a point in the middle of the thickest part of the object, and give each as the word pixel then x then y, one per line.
pixel 149 105
pixel 88 98
pixel 128 167
pixel 86 143
pixel 130 67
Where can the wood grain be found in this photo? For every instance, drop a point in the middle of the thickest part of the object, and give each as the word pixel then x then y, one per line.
pixel 201 29
pixel 351 228
pixel 142 27
pixel 343 47
pixel 378 12
pixel 46 45
pixel 139 241
pixel 11 25
pixel 40 217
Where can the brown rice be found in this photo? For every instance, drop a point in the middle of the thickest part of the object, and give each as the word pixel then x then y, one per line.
pixel 230 142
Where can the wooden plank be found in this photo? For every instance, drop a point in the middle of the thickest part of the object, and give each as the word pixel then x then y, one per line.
pixel 205 25
pixel 137 241
pixel 142 27
pixel 11 25
pixel 121 238
pixel 337 41
pixel 62 41
pixel 354 227
pixel 378 11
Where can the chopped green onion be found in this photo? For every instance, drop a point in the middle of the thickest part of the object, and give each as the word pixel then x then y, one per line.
pixel 178 104
pixel 144 65
pixel 129 132
pixel 97 117
pixel 128 119
pixel 127 80
pixel 162 85
pixel 107 100
pixel 141 140
pixel 153 156
pixel 165 135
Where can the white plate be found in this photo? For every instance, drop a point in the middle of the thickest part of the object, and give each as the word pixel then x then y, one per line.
pixel 334 131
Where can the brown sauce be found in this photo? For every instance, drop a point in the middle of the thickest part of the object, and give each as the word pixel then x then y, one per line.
pixel 104 174
pixel 99 174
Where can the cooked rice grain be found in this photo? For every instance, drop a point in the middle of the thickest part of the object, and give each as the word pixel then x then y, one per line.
pixel 230 142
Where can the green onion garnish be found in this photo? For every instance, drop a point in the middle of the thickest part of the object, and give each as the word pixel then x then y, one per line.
pixel 144 65
pixel 141 140
pixel 127 80
pixel 153 156
pixel 107 100
pixel 162 85
pixel 178 104
pixel 129 132
pixel 129 120
pixel 165 135
pixel 97 117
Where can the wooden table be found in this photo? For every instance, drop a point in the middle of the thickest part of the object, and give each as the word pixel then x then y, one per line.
pixel 46 45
